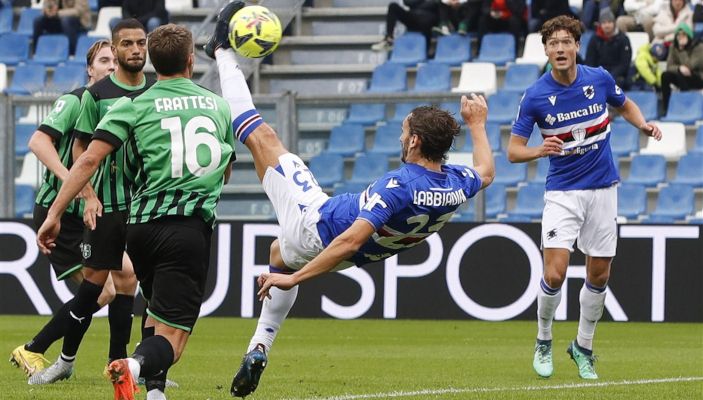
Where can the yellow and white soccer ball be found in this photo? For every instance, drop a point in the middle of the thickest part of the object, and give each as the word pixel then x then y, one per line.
pixel 254 31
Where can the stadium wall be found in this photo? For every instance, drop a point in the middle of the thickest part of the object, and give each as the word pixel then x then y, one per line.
pixel 466 271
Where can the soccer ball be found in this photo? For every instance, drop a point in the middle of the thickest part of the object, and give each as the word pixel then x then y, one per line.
pixel 254 31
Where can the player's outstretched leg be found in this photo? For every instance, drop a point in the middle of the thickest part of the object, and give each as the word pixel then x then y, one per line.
pixel 219 37
pixel 584 360
pixel 247 378
pixel 30 362
pixel 542 361
pixel 57 371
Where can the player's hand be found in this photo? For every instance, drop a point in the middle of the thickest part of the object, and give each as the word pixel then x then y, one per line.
pixel 46 236
pixel 268 280
pixel 93 210
pixel 552 146
pixel 474 109
pixel 651 129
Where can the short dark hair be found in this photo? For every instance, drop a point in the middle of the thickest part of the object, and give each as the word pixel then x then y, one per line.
pixel 561 23
pixel 129 23
pixel 436 128
pixel 169 48
pixel 94 49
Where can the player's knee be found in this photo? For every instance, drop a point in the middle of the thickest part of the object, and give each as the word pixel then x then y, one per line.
pixel 77 277
pixel 125 283
pixel 275 257
pixel 108 294
pixel 553 279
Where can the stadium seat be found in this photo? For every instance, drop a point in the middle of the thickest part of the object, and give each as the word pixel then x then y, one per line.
pixel 82 47
pixel 493 133
pixel 14 48
pixel 387 139
pixel 346 140
pixel 477 78
pixel 624 139
pixel 673 142
pixel 648 170
pixel 541 170
pixel 452 50
pixel 3 77
pixel 409 49
pixel 454 108
pixel 24 200
pixel 246 209
pixel 102 25
pixel 685 107
pixel 28 79
pixel 632 200
pixel 350 187
pixel 497 48
pixel 22 135
pixel 530 201
pixel 6 16
pixel 389 77
pixel 369 167
pixel 698 143
pixel 647 101
pixel 534 51
pixel 402 110
pixel 507 173
pixel 433 78
pixel 51 50
pixel 68 77
pixel 179 5
pixel 535 138
pixel 495 204
pixel 366 114
pixel 583 46
pixel 31 171
pixel 519 77
pixel 502 107
pixel 689 170
pixel 25 26
pixel 675 201
pixel 328 169
pixel 637 39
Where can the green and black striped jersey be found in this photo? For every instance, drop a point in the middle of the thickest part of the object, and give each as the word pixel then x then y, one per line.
pixel 110 183
pixel 180 137
pixel 59 125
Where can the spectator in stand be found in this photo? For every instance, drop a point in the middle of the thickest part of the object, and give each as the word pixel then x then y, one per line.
pixel 640 16
pixel 609 48
pixel 684 67
pixel 592 9
pixel 420 16
pixel 668 18
pixel 109 3
pixel 459 15
pixel 649 75
pixel 68 17
pixel 503 16
pixel 151 13
pixel 544 10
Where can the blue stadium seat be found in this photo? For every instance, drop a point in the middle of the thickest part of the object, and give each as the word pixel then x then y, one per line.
pixel 685 107
pixel 497 48
pixel 519 77
pixel 389 77
pixel 583 44
pixel 82 47
pixel 508 173
pixel 22 134
pixel 541 171
pixel 14 48
pixel 346 140
pixel 647 101
pixel 675 201
pixel 648 170
pixel 350 187
pixel 689 171
pixel 495 204
pixel 328 169
pixel 454 108
pixel 452 50
pixel 409 49
pixel 387 139
pixel 28 79
pixel 366 114
pixel 632 200
pixel 530 201
pixel 434 77
pixel 24 200
pixel 515 218
pixel 698 144
pixel 68 77
pixel 502 107
pixel 624 139
pixel 25 27
pixel 402 110
pixel 6 16
pixel 369 167
pixel 493 133
pixel 535 137
pixel 247 209
pixel 51 49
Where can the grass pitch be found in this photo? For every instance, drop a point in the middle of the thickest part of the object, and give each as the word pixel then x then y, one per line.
pixel 375 359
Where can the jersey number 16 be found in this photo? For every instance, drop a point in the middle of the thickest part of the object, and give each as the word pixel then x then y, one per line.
pixel 184 144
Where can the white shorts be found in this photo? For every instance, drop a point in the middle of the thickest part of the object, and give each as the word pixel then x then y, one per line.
pixel 587 215
pixel 296 197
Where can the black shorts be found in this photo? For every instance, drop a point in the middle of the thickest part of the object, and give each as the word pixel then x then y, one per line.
pixel 171 257
pixel 103 248
pixel 66 257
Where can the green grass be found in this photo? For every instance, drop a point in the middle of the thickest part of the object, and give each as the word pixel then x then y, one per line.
pixel 326 358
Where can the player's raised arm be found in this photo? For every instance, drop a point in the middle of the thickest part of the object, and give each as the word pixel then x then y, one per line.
pixel 474 111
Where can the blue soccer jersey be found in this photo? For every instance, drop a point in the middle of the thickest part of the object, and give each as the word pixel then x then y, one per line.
pixel 404 206
pixel 578 115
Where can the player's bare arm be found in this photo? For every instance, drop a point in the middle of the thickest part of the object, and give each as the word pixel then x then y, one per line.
pixel 42 145
pixel 519 151
pixel 474 111
pixel 340 249
pixel 631 112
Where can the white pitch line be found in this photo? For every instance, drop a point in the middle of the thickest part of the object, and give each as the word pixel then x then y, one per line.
pixel 506 389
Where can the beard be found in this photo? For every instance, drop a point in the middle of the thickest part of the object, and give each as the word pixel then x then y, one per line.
pixel 131 67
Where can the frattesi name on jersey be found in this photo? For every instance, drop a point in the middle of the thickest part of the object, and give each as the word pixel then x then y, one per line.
pixel 436 199
pixel 561 117
pixel 184 103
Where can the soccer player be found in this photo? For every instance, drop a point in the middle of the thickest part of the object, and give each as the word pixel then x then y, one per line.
pixel 570 107
pixel 181 136
pixel 103 242
pixel 321 233
pixel 51 143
